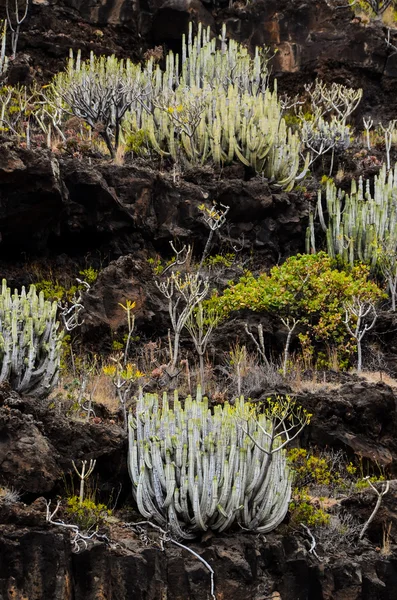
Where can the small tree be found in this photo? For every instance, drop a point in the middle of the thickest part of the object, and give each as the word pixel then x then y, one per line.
pixel 201 324
pixel 359 311
pixel 183 294
pixel 100 91
pixel 15 20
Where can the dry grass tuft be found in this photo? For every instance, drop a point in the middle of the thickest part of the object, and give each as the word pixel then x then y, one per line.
pixel 378 376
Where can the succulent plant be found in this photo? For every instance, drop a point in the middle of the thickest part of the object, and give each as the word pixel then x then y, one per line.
pixel 194 468
pixel 30 341
pixel 3 39
pixel 361 225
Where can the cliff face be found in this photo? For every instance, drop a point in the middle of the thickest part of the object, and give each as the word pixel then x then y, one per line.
pixel 60 208
pixel 38 560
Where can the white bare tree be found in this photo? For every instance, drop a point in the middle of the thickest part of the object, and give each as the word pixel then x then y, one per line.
pixel 359 311
pixel 15 18
pixel 184 293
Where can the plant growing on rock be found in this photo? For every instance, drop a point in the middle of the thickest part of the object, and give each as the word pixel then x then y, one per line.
pixel 306 287
pixel 199 470
pixel 183 293
pixel 100 91
pixel 200 324
pixel 364 315
pixel 15 20
pixel 3 40
pixel 361 225
pixel 30 341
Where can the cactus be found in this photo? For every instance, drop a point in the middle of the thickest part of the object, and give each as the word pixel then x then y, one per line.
pixel 3 39
pixel 195 469
pixel 361 225
pixel 30 341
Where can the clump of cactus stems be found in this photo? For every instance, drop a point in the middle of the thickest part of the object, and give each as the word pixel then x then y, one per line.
pixel 194 468
pixel 361 225
pixel 30 341
pixel 212 104
pixel 3 39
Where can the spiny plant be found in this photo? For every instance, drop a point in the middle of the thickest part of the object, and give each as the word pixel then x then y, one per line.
pixel 194 468
pixel 30 341
pixel 361 225
pixel 3 39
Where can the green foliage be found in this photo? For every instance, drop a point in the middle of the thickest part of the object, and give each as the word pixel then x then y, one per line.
pixel 55 291
pixel 305 511
pixel 136 142
pixel 220 260
pixel 30 341
pixel 309 468
pixel 308 287
pixel 202 470
pixel 86 514
pixel 89 275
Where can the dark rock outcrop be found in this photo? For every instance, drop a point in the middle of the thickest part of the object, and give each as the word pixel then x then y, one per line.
pixel 67 206
pixel 37 446
pixel 37 563
pixel 360 418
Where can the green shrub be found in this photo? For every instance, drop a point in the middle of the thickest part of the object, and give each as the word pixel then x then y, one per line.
pixel 87 514
pixel 304 510
pixel 309 287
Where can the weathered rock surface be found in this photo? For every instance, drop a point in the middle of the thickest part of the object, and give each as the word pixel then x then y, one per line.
pixel 37 563
pixel 360 418
pixel 68 206
pixel 37 446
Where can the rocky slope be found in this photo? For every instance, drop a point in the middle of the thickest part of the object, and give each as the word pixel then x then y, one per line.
pixel 38 444
pixel 58 209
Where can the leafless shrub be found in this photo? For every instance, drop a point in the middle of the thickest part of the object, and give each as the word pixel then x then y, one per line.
pixel 341 531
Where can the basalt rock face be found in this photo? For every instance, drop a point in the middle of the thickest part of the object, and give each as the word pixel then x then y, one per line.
pixel 37 563
pixel 50 206
pixel 359 418
pixel 37 446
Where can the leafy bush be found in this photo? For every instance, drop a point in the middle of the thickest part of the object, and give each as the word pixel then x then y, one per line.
pixel 304 510
pixel 308 287
pixel 86 514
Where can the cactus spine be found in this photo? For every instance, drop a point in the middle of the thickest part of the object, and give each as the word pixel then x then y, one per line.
pixel 30 343
pixel 193 469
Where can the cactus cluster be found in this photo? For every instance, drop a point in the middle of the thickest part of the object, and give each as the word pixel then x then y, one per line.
pixel 211 105
pixel 361 225
pixel 194 468
pixel 30 341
